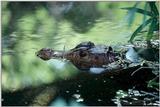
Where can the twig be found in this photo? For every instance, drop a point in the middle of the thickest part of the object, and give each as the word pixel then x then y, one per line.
pixel 147 93
pixel 138 70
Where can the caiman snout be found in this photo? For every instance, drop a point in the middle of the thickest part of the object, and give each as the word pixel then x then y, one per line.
pixel 45 53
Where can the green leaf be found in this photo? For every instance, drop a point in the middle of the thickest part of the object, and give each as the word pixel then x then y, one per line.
pixel 156 28
pixel 154 8
pixel 131 14
pixel 151 28
pixel 140 28
pixel 153 83
pixel 141 11
pixel 131 17
pixel 144 16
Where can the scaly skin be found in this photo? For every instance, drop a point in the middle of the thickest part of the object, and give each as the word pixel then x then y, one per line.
pixel 81 58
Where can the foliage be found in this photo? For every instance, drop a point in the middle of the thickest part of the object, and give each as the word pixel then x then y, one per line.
pixel 152 21
pixel 154 83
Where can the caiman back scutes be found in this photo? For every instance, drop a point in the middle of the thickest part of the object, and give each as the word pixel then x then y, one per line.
pixel 88 60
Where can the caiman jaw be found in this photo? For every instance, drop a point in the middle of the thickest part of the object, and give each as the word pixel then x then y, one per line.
pixel 47 54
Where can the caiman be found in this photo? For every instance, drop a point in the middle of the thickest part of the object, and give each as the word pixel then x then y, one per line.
pixel 84 56
pixel 87 55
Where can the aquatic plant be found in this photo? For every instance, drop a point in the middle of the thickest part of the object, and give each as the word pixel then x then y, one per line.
pixel 152 20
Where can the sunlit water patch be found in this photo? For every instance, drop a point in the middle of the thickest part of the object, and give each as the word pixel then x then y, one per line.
pixel 136 97
pixel 61 102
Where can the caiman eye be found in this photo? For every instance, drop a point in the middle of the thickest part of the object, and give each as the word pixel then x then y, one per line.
pixel 82 54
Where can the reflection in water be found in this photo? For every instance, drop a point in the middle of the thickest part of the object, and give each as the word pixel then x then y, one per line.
pixel 135 97
pixel 30 26
pixel 78 97
pixel 67 91
pixel 58 64
pixel 34 29
pixel 61 102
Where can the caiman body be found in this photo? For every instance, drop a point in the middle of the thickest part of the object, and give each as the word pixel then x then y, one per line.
pixel 83 56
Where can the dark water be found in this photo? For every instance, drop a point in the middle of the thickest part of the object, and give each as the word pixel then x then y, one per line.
pixel 30 26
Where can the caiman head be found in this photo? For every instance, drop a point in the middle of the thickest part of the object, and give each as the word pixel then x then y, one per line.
pixel 82 58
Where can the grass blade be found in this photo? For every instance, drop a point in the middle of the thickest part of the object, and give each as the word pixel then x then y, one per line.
pixel 141 11
pixel 144 16
pixel 151 29
pixel 154 8
pixel 131 14
pixel 140 28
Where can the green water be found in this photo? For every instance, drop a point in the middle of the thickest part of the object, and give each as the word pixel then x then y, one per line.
pixel 28 27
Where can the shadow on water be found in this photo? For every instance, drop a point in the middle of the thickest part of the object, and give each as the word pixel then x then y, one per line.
pixel 82 89
pixel 82 15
